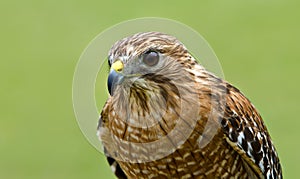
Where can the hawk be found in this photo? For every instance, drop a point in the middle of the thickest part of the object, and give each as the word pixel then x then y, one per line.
pixel 168 117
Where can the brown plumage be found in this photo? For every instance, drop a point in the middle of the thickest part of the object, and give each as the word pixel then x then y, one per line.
pixel 168 117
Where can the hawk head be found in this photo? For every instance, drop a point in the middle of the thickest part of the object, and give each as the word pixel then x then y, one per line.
pixel 149 73
pixel 143 54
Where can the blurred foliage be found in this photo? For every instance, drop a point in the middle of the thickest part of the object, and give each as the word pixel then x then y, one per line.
pixel 257 43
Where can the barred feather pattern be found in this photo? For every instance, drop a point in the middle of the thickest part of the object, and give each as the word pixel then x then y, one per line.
pixel 227 135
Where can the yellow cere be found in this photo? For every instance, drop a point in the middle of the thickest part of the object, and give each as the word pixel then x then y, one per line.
pixel 117 66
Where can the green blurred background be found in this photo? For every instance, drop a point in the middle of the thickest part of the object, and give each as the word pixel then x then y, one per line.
pixel 256 42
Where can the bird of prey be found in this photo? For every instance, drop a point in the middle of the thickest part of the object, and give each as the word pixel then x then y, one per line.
pixel 168 117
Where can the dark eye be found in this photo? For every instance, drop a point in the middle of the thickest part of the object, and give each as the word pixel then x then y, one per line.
pixel 150 58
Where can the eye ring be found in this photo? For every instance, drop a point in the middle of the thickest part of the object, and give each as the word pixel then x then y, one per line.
pixel 150 58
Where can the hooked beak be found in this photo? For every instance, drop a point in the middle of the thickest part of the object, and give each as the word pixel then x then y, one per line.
pixel 115 76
